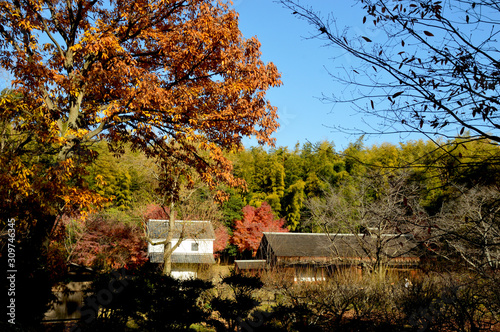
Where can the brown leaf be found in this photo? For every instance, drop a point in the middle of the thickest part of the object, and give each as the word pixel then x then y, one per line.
pixel 427 33
pixel 367 39
pixel 397 94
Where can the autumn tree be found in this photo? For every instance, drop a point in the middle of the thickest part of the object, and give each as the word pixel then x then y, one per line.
pixel 429 67
pixel 35 187
pixel 173 79
pixel 248 231
pixel 33 183
pixel 221 239
pixel 103 243
pixel 169 78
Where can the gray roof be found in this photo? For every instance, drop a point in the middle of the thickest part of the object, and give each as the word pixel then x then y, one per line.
pixel 197 230
pixel 335 245
pixel 157 257
pixel 254 264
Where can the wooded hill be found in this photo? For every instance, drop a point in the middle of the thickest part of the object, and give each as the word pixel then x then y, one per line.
pixel 291 181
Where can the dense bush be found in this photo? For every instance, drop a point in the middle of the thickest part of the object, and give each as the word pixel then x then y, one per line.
pixel 235 301
pixel 151 301
pixel 144 300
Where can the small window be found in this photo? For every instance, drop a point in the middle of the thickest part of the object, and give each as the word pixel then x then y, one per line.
pixel 194 246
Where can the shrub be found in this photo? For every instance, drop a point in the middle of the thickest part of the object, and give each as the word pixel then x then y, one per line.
pixel 234 307
pixel 154 302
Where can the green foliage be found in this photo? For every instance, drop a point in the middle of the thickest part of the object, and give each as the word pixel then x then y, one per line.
pixel 312 170
pixel 232 208
pixel 294 200
pixel 285 178
pixel 126 180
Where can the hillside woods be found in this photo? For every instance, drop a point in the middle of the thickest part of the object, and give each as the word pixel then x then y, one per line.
pixel 292 188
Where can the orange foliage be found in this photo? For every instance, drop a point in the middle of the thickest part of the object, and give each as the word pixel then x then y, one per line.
pixel 35 186
pixel 172 78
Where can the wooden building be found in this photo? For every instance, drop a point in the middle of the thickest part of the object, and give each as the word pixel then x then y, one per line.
pixel 250 266
pixel 315 256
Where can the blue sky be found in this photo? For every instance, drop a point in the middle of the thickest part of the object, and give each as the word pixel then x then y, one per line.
pixel 303 63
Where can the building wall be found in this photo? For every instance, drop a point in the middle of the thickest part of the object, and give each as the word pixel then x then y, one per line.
pixel 186 247
pixel 184 275
pixel 204 247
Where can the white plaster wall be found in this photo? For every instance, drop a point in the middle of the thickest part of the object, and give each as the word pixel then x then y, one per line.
pixel 183 275
pixel 204 247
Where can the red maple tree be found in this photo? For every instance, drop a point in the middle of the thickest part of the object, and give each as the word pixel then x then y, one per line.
pixel 248 231
pixel 155 211
pixel 106 244
pixel 221 239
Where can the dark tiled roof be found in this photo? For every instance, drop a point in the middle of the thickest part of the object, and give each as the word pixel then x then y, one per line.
pixel 335 245
pixel 255 264
pixel 157 257
pixel 198 230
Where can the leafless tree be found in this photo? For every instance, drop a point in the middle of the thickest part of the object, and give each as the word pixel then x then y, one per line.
pixel 381 212
pixel 423 66
pixel 469 227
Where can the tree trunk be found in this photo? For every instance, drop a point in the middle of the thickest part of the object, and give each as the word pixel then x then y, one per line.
pixel 167 259
pixel 168 250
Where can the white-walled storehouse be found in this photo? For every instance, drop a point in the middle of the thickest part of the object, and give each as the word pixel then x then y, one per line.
pixel 195 252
